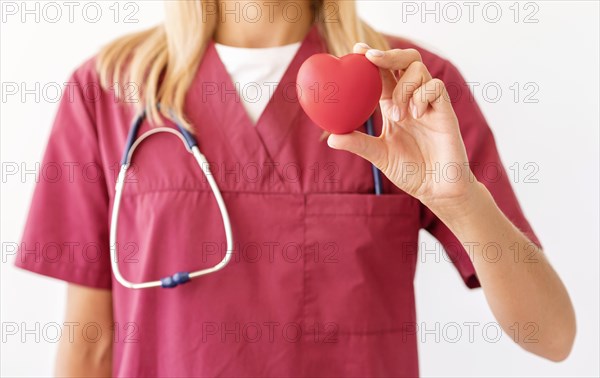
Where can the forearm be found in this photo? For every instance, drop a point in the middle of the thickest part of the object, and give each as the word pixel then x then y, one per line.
pixel 525 294
pixel 83 359
pixel 86 352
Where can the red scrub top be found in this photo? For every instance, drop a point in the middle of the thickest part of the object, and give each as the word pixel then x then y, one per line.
pixel 321 283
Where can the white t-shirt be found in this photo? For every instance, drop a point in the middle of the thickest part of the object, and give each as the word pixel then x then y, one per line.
pixel 256 72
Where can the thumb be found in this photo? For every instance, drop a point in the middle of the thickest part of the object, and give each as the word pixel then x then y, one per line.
pixel 366 146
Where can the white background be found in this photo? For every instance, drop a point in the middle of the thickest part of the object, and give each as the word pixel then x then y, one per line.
pixel 558 133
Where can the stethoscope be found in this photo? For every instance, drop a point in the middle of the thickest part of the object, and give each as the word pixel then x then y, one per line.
pixel 191 145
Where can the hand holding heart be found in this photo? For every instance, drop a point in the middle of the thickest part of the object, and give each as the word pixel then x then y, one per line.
pixel 420 148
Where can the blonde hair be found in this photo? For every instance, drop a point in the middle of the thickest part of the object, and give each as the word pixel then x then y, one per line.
pixel 165 57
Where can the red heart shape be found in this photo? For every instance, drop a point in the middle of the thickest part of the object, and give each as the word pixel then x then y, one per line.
pixel 339 95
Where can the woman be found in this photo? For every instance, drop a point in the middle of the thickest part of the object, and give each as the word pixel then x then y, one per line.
pixel 321 282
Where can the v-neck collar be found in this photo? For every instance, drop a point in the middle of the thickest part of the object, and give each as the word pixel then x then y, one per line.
pixel 214 87
pixel 283 109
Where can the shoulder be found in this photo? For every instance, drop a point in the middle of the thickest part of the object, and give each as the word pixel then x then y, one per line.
pixel 86 76
pixel 88 111
pixel 86 87
pixel 86 71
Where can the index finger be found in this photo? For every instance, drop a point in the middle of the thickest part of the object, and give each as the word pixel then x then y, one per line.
pixel 387 77
pixel 395 60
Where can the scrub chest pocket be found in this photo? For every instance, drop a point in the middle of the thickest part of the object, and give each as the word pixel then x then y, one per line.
pixel 364 284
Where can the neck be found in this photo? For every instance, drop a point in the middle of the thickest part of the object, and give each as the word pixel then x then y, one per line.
pixel 255 24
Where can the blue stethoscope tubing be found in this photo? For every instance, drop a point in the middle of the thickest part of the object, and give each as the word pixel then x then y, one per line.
pixel 376 172
pixel 191 146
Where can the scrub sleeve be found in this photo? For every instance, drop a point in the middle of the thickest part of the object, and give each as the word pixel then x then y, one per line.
pixel 66 233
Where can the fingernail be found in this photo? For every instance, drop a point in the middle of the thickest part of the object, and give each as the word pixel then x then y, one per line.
pixel 413 110
pixel 375 53
pixel 395 114
pixel 330 143
pixel 363 45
